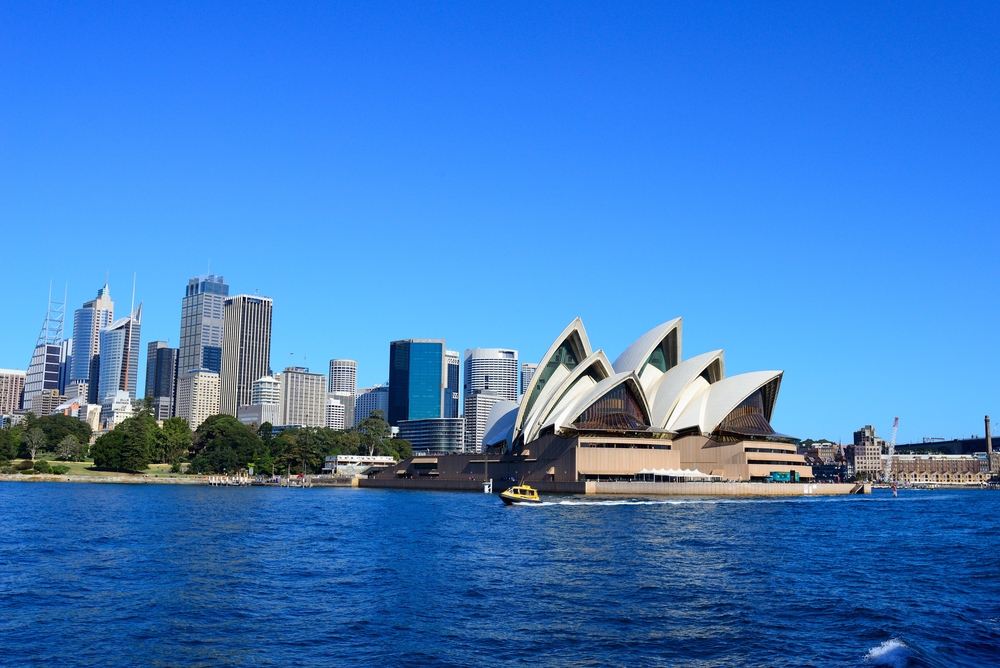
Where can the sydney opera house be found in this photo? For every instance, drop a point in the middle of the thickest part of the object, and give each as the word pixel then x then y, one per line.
pixel 649 413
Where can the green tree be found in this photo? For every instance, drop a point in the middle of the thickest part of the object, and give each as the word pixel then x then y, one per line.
pixel 305 447
pixel 137 435
pixel 70 450
pixel 399 448
pixel 172 442
pixel 32 441
pixel 107 450
pixel 372 431
pixel 8 444
pixel 57 427
pixel 223 444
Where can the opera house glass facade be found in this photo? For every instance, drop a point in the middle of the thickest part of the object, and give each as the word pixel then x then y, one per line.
pixel 649 409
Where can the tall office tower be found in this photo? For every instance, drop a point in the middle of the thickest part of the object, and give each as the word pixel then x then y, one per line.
pixel 246 349
pixel 371 399
pixel 334 414
pixel 491 369
pixel 343 376
pixel 417 380
pixel 477 411
pixel 120 358
pixel 202 323
pixel 43 372
pixel 88 322
pixel 303 397
pixel 452 388
pixel 161 378
pixel 11 389
pixel 65 364
pixel 527 371
pixel 197 396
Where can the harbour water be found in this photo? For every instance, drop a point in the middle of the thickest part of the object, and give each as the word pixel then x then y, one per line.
pixel 178 575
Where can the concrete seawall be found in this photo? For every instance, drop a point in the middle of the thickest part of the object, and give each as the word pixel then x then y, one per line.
pixel 631 488
pixel 122 479
pixel 729 488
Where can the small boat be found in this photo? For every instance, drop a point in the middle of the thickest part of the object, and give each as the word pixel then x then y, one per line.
pixel 520 494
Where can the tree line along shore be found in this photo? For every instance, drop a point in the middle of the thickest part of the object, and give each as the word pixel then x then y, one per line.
pixel 63 445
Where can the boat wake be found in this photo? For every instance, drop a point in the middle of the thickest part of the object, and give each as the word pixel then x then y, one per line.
pixel 631 502
pixel 893 653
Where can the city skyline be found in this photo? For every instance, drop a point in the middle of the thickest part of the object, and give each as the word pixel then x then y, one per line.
pixel 814 188
pixel 374 378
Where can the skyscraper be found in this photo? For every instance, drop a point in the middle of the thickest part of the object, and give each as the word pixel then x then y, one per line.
pixel 417 380
pixel 88 322
pixel 43 372
pixel 65 364
pixel 161 378
pixel 246 349
pixel 120 358
pixel 303 397
pixel 371 399
pixel 527 371
pixel 344 380
pixel 343 376
pixel 11 389
pixel 197 396
pixel 452 389
pixel 477 411
pixel 491 369
pixel 202 324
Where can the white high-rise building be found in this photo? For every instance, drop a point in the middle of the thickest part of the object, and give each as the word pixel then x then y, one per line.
pixel 11 389
pixel 371 399
pixel 265 403
pixel 491 369
pixel 303 397
pixel 246 349
pixel 477 410
pixel 119 360
pixel 527 371
pixel 197 396
pixel 88 322
pixel 266 390
pixel 343 376
pixel 334 414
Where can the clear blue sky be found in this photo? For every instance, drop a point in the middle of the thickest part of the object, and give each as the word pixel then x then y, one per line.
pixel 814 189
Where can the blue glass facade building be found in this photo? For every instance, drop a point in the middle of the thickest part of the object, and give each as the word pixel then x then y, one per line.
pixel 202 317
pixel 417 380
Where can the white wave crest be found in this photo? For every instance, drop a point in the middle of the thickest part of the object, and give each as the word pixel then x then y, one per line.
pixel 893 653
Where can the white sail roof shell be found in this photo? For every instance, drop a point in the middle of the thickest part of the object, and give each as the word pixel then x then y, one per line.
pixel 666 394
pixel 635 356
pixel 566 392
pixel 567 414
pixel 574 328
pixel 500 423
pixel 714 402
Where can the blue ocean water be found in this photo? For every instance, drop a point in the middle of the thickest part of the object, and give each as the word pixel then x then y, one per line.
pixel 198 576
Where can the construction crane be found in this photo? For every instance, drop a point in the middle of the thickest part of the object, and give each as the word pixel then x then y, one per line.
pixel 887 476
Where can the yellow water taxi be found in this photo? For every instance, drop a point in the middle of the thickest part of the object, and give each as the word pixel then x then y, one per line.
pixel 520 494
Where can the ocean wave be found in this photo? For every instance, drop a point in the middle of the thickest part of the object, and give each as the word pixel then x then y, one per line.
pixel 893 653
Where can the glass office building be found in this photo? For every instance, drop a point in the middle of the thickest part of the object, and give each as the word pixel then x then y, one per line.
pixel 417 380
pixel 202 316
